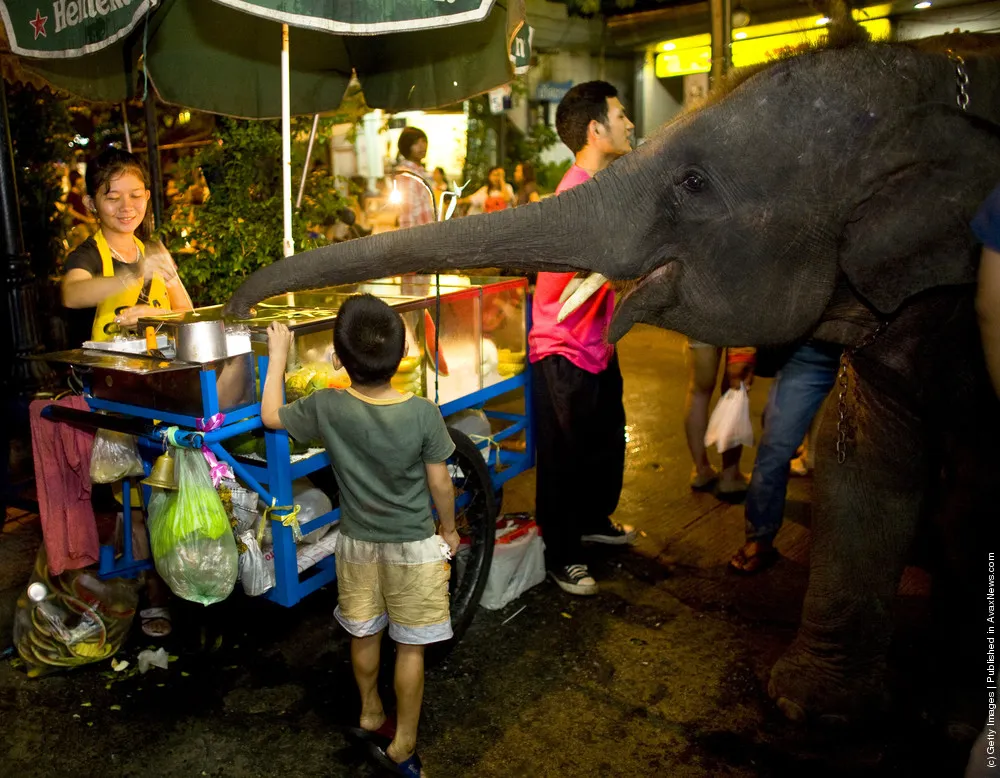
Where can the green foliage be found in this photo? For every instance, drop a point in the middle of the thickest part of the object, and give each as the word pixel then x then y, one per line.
pixel 40 132
pixel 481 142
pixel 530 147
pixel 239 227
pixel 549 175
pixel 480 151
pixel 610 7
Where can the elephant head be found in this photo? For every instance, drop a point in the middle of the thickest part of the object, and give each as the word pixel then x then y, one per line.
pixel 738 220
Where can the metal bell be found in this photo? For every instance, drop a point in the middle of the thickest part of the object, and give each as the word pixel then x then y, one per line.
pixel 162 474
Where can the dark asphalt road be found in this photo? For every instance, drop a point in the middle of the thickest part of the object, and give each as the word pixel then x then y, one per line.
pixel 661 674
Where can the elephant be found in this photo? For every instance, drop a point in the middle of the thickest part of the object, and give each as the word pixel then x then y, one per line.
pixel 824 195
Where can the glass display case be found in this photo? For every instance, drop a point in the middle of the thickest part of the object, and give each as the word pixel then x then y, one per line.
pixel 481 339
pixel 503 315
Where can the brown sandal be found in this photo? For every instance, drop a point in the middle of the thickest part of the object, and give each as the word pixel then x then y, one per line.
pixel 743 563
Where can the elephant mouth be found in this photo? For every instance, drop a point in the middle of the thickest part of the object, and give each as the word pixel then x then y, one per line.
pixel 638 300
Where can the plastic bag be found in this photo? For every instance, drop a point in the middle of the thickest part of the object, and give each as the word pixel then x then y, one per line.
pixel 115 456
pixel 518 564
pixel 193 545
pixel 78 618
pixel 240 504
pixel 474 423
pixel 730 425
pixel 256 575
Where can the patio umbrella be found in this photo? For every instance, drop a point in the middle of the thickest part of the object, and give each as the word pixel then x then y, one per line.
pixel 226 56
pixel 222 56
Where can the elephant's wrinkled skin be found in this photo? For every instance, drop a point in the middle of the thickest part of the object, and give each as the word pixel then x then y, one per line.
pixel 825 194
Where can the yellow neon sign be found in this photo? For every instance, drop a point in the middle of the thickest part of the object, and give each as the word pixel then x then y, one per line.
pixel 759 43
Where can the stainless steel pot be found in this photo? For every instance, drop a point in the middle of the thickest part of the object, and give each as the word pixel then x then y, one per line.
pixel 200 341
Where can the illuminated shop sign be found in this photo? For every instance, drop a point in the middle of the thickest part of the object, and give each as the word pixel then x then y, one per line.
pixel 761 42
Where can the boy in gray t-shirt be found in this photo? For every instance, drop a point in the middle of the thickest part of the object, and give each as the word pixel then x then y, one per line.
pixel 388 451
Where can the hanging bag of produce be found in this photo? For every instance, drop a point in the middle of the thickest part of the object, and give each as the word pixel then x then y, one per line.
pixel 115 456
pixel 193 545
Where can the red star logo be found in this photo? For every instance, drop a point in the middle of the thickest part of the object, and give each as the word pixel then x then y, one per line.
pixel 38 23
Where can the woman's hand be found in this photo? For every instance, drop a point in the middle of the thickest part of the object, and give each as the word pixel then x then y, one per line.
pixel 158 262
pixel 130 316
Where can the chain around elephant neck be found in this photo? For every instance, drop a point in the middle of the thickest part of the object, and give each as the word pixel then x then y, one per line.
pixel 962 80
pixel 844 427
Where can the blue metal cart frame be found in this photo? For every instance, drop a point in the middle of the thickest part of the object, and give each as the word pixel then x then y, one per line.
pixel 273 480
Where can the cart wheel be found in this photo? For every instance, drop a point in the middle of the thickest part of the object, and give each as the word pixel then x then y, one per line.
pixel 475 519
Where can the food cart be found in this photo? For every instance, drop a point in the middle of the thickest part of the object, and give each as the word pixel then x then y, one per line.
pixel 466 339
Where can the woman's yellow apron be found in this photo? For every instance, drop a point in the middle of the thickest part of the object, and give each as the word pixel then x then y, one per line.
pixel 127 297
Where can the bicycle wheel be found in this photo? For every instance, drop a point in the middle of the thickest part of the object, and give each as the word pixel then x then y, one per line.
pixel 475 519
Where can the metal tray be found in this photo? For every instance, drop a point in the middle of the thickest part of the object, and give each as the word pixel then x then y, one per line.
pixel 163 385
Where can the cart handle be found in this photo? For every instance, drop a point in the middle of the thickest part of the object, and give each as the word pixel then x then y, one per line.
pixel 98 421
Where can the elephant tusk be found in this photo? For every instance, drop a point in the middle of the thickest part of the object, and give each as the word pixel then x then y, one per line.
pixel 583 292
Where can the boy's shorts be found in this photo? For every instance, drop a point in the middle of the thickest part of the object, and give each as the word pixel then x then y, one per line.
pixel 402 585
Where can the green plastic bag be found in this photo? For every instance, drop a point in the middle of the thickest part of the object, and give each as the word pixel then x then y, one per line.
pixel 193 546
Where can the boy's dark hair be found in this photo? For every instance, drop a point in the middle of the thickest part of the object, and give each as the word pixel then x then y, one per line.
pixel 407 138
pixel 582 104
pixel 369 338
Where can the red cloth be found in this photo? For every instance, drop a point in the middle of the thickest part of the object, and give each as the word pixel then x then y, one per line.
pixel 62 479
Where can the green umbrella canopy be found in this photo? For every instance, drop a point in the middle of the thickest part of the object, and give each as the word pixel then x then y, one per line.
pixel 223 56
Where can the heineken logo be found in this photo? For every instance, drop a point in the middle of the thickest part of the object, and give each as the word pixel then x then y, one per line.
pixel 38 24
pixel 69 13
pixel 70 28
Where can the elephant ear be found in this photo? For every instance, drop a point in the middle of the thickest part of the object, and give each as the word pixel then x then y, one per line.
pixel 910 231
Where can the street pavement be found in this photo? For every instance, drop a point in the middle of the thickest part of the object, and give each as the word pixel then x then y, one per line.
pixel 662 674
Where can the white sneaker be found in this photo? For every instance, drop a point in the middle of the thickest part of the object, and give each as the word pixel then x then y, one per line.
pixel 615 535
pixel 575 579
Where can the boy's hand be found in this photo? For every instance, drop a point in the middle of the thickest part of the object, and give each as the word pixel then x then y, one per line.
pixel 279 340
pixel 452 539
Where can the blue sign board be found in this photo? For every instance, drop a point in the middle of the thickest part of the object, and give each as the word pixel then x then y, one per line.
pixel 552 91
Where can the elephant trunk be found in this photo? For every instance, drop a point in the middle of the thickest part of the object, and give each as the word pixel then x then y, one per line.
pixel 568 232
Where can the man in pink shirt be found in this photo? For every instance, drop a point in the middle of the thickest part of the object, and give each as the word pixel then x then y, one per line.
pixel 577 385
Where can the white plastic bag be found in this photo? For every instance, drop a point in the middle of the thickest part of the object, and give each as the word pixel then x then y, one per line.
pixel 730 425
pixel 518 564
pixel 256 575
pixel 115 456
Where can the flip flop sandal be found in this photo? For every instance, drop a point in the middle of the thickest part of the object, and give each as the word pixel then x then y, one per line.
pixel 703 483
pixel 377 746
pixel 149 617
pixel 742 564
pixel 360 735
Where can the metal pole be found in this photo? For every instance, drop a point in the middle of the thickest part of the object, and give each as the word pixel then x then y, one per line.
pixel 727 34
pixel 153 152
pixel 305 168
pixel 288 244
pixel 10 214
pixel 128 135
pixel 718 45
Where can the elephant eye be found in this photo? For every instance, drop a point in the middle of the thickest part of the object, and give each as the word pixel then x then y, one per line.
pixel 692 181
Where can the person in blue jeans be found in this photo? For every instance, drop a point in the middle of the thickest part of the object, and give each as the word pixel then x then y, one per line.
pixel 798 390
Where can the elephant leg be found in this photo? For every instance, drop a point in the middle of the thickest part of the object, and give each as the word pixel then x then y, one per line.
pixel 865 514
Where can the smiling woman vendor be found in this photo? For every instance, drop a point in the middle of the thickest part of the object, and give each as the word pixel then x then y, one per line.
pixel 113 271
pixel 122 278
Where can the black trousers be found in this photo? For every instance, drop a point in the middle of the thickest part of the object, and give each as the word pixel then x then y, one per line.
pixel 580 447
